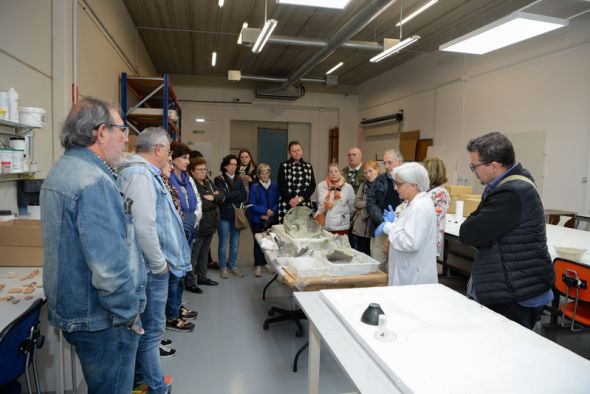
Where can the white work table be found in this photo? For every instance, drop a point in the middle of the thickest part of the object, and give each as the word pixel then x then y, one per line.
pixel 556 236
pixel 445 343
pixel 10 277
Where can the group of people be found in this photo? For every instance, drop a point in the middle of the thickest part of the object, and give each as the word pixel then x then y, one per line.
pixel 125 236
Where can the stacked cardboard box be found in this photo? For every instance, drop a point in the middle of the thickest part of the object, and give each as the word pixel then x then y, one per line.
pixel 465 194
pixel 21 243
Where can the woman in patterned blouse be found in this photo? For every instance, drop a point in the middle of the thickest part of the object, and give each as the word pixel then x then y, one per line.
pixel 295 181
pixel 437 173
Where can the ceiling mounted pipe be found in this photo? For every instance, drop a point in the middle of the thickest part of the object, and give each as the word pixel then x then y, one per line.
pixel 355 24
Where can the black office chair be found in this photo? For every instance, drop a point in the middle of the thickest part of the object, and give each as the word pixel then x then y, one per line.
pixel 18 344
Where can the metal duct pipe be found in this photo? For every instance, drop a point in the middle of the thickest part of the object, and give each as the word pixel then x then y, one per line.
pixel 355 24
pixel 315 42
pixel 259 78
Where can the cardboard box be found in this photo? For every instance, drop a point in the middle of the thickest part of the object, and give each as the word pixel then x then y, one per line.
pixel 455 190
pixel 407 144
pixel 21 243
pixel 470 203
pixel 131 143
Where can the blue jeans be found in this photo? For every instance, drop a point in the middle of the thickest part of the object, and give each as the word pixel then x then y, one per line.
pixel 147 366
pixel 107 358
pixel 225 230
pixel 174 296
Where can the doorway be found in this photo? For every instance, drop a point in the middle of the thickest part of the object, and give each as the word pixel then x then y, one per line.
pixel 272 149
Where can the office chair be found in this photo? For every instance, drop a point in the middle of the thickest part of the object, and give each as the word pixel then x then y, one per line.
pixel 18 344
pixel 571 280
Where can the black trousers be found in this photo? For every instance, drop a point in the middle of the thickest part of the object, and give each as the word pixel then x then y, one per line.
pixel 523 315
pixel 259 259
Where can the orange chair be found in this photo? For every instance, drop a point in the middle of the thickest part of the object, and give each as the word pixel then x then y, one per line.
pixel 571 280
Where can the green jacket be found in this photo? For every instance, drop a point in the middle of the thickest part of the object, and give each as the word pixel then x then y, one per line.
pixel 356 181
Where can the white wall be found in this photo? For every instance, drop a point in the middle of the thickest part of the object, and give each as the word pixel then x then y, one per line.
pixel 541 84
pixel 321 111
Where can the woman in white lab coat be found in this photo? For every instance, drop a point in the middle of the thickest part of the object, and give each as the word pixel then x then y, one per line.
pixel 412 235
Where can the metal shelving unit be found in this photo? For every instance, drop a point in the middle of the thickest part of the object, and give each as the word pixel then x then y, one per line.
pixel 151 92
pixel 12 129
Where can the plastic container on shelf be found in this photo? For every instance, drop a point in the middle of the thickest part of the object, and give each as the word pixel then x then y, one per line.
pixel 5 161
pixel 32 116
pixel 12 105
pixel 4 115
pixel 18 161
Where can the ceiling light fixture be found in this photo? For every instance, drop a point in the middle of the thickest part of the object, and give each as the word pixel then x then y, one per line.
pixel 337 4
pixel 394 49
pixel 213 59
pixel 264 35
pixel 200 120
pixel 336 67
pixel 416 13
pixel 220 3
pixel 516 27
pixel 244 25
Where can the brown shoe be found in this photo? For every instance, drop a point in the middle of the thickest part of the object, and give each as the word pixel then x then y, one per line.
pixel 213 265
pixel 237 272
pixel 224 274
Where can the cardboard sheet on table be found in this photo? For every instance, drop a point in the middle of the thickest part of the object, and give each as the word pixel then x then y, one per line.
pixel 447 343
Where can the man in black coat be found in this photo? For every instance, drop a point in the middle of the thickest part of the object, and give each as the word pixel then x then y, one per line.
pixel 512 272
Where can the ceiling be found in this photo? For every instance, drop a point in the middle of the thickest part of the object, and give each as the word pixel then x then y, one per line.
pixel 180 35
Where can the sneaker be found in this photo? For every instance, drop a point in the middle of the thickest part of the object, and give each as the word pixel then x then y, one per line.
pixel 166 351
pixel 142 388
pixel 268 269
pixel 179 325
pixel 237 272
pixel 166 341
pixel 187 314
pixel 224 274
pixel 258 271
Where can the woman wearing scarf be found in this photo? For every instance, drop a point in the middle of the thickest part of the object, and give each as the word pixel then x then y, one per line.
pixel 335 201
pixel 264 198
pixel 186 188
pixel 235 194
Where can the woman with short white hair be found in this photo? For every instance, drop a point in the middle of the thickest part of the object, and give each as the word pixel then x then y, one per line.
pixel 412 235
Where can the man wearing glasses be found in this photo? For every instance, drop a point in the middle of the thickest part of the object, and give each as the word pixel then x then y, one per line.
pixel 164 247
pixel 512 273
pixel 381 195
pixel 93 275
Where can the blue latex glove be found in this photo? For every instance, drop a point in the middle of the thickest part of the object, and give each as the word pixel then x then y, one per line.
pixel 389 214
pixel 379 229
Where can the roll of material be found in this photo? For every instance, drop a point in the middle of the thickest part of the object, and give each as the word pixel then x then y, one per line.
pixel 17 143
pixel 459 211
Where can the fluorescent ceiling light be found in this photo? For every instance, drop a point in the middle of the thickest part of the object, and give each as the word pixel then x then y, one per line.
pixel 336 67
pixel 244 25
pixel 417 12
pixel 338 4
pixel 394 49
pixel 516 27
pixel 220 3
pixel 213 58
pixel 264 35
pixel 200 120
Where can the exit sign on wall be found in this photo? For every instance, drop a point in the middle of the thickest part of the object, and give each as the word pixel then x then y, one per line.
pixel 198 131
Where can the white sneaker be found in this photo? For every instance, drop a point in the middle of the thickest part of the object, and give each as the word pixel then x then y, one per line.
pixel 258 271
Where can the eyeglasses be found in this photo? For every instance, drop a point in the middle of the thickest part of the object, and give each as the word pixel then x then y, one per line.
pixel 264 172
pixel 396 183
pixel 202 169
pixel 472 166
pixel 123 128
pixel 166 147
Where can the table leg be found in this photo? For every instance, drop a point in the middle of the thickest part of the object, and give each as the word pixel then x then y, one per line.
pixel 313 364
pixel 268 284
pixel 59 370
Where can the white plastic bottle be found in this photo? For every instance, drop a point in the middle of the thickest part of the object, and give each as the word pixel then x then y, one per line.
pixel 4 106
pixel 13 105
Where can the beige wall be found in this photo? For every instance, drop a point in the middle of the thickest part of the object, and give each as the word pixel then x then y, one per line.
pixel 539 85
pixel 218 107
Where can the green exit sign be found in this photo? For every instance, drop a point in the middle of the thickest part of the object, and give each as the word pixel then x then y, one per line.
pixel 198 131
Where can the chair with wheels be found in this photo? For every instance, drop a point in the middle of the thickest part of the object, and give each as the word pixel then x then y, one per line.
pixel 18 344
pixel 571 280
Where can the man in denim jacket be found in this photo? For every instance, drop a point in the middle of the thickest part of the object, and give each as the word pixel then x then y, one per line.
pixel 94 278
pixel 161 238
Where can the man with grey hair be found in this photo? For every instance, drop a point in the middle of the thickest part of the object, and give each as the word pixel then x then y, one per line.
pixel 381 195
pixel 412 236
pixel 93 276
pixel 161 238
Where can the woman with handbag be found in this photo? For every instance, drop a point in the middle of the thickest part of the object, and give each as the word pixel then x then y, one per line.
pixel 211 198
pixel 363 226
pixel 335 202
pixel 230 220
pixel 264 198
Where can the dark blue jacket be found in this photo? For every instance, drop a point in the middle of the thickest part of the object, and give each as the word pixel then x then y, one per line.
pixel 262 199
pixel 235 194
